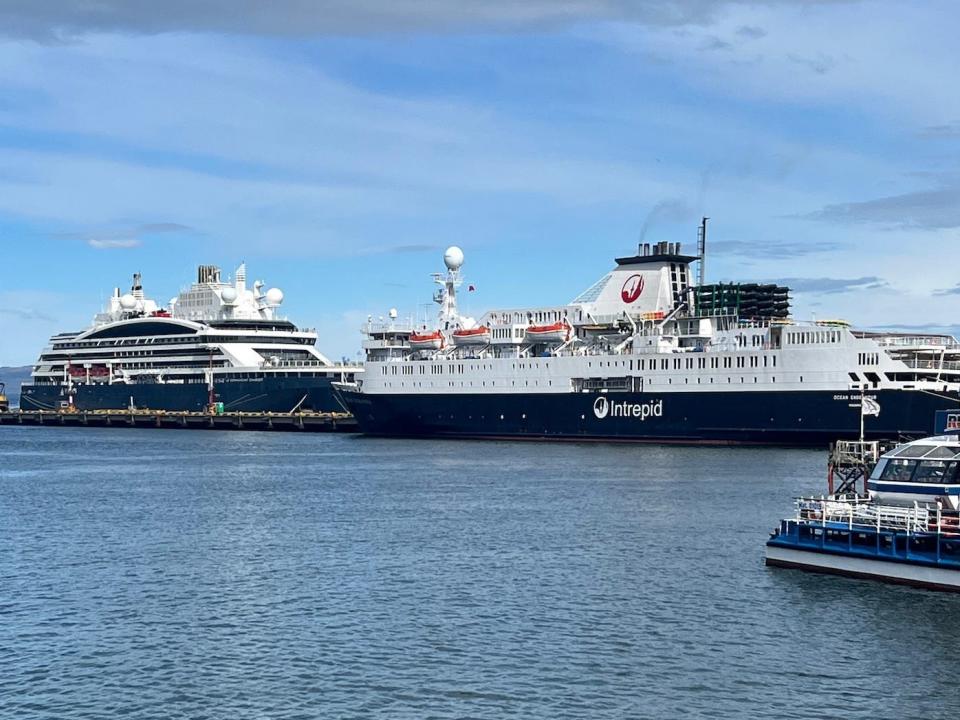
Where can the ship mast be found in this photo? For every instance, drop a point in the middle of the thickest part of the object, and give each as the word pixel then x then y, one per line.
pixel 702 251
pixel 446 296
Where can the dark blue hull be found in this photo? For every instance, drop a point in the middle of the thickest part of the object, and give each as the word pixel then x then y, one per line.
pixel 269 394
pixel 792 418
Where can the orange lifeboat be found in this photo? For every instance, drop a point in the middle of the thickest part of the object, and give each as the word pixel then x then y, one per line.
pixel 475 336
pixel 557 332
pixel 426 341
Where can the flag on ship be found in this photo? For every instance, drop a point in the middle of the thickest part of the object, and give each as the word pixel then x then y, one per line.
pixel 869 406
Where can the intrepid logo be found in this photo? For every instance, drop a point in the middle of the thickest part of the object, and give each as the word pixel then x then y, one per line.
pixel 632 288
pixel 603 408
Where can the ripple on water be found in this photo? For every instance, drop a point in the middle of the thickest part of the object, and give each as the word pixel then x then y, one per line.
pixel 183 574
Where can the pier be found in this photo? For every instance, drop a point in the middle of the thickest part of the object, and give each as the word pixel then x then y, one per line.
pixel 291 422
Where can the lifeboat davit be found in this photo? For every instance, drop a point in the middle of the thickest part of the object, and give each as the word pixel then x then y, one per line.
pixel 557 332
pixel 475 336
pixel 426 341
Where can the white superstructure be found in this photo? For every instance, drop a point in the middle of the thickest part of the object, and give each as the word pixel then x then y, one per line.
pixel 645 354
pixel 643 326
pixel 212 333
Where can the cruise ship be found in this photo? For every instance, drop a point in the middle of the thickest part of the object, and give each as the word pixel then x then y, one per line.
pixel 648 354
pixel 216 344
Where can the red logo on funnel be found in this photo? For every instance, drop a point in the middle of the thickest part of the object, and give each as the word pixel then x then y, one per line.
pixel 631 289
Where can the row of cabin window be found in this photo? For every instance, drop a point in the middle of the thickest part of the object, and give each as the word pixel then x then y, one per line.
pixel 508 333
pixel 701 363
pixel 170 339
pixel 868 358
pixel 710 379
pixel 688 363
pixel 813 337
pixel 756 340
pixel 522 317
pixel 526 383
pixel 435 369
pixel 170 365
pixel 471 383
pixel 698 363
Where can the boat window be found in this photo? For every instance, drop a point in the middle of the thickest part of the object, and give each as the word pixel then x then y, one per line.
pixel 944 452
pixel 935 471
pixel 899 470
pixel 913 451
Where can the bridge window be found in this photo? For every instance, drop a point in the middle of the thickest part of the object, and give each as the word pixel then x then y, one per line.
pixel 935 471
pixel 898 470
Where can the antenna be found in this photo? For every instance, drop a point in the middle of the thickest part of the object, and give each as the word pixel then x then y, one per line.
pixel 702 251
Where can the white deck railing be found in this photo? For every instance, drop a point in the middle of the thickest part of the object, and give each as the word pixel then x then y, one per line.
pixel 862 512
pixel 918 364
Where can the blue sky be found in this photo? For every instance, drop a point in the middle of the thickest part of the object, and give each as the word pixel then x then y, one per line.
pixel 338 147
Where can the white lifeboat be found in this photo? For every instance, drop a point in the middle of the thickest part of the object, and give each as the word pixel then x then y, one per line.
pixel 474 336
pixel 426 341
pixel 557 332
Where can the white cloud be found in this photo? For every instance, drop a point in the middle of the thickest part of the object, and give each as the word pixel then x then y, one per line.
pixel 242 145
pixel 32 316
pixel 56 20
pixel 254 144
pixel 113 243
pixel 890 58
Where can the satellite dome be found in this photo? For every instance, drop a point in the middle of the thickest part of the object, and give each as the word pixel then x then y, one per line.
pixel 128 302
pixel 274 296
pixel 453 258
pixel 393 313
pixel 228 295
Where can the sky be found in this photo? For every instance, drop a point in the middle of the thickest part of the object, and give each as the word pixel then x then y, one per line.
pixel 337 147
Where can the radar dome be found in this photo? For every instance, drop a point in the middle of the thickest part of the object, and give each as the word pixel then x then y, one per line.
pixel 274 296
pixel 128 302
pixel 453 258
pixel 393 313
pixel 228 295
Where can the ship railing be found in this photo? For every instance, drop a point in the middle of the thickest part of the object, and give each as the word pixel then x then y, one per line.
pixel 855 452
pixel 858 511
pixel 939 341
pixel 918 364
pixel 397 326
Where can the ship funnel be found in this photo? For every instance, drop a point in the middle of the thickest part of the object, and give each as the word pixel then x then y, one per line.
pixel 137 288
pixel 208 274
pixel 242 278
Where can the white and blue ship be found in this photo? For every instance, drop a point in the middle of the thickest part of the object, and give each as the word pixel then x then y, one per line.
pixel 905 530
pixel 647 354
pixel 216 342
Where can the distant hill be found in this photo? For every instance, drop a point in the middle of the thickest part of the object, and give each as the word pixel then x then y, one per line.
pixel 13 376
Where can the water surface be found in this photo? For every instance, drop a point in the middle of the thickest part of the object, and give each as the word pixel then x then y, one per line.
pixel 206 574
